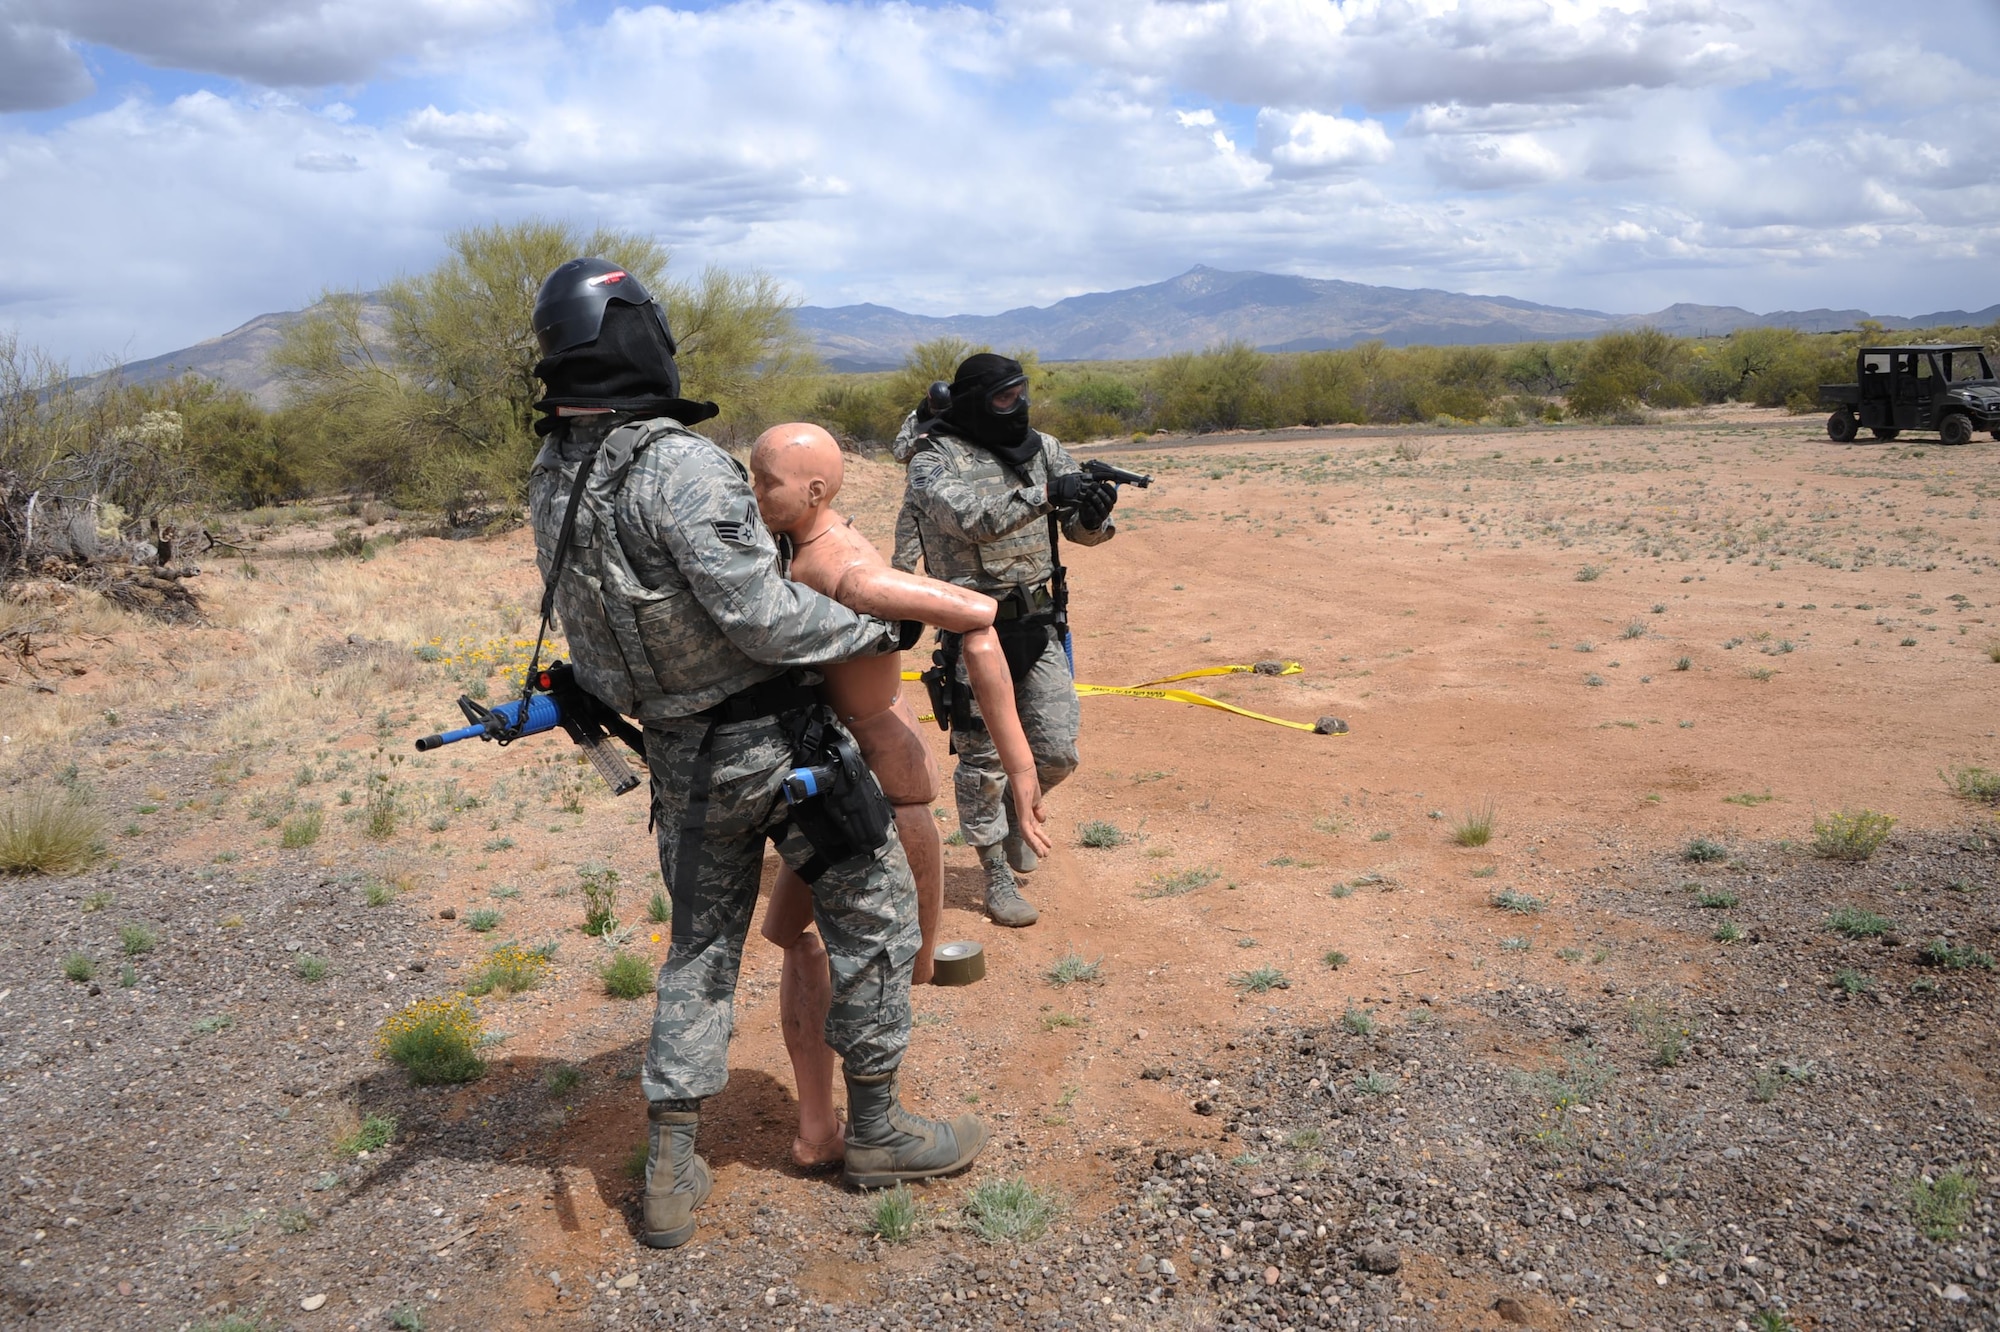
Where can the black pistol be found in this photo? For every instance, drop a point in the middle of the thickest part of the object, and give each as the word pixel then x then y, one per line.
pixel 1117 476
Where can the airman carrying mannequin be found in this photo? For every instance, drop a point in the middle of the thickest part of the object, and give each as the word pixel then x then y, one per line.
pixel 796 472
pixel 678 613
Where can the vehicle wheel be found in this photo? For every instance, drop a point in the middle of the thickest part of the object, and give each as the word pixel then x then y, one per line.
pixel 1885 435
pixel 1955 429
pixel 1841 427
pixel 1994 433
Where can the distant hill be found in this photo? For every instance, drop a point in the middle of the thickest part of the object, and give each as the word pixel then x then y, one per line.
pixel 240 358
pixel 1198 309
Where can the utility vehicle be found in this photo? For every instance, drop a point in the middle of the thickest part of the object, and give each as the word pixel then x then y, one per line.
pixel 1949 389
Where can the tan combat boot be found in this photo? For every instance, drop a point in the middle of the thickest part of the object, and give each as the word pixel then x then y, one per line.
pixel 887 1145
pixel 1004 902
pixel 677 1181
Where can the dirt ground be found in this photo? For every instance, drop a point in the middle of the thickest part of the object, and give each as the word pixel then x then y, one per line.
pixel 1617 640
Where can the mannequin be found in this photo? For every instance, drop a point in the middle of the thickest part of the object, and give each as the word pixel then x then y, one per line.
pixel 796 473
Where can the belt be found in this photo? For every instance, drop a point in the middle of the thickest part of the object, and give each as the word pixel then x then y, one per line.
pixel 770 698
pixel 1021 602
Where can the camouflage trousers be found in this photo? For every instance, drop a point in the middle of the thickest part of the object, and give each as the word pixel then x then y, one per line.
pixel 866 909
pixel 1050 715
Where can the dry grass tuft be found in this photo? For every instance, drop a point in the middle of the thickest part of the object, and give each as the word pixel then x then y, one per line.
pixel 49 833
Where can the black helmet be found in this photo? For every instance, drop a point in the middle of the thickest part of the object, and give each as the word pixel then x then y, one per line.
pixel 606 347
pixel 569 309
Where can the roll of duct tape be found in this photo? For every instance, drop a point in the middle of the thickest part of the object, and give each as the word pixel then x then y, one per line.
pixel 959 963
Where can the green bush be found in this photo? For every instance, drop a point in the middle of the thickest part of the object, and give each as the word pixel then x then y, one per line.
pixel 1858 924
pixel 1099 834
pixel 305 829
pixel 892 1215
pixel 435 1041
pixel 626 976
pixel 1851 835
pixel 1223 388
pixel 600 899
pixel 1010 1209
pixel 1624 371
pixel 372 1134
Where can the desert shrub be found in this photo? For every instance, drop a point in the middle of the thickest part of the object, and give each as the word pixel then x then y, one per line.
pixel 1099 834
pixel 1317 388
pixel 1260 980
pixel 49 832
pixel 1703 851
pixel 600 899
pixel 892 1215
pixel 424 390
pixel 1850 835
pixel 372 1134
pixel 1072 969
pixel 858 411
pixel 1943 1205
pixel 1223 388
pixel 303 830
pixel 1545 369
pixel 1623 371
pixel 1856 923
pixel 1977 784
pixel 1474 827
pixel 511 969
pixel 626 976
pixel 435 1041
pixel 1010 1209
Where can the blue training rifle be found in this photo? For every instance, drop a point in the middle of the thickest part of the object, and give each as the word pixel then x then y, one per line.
pixel 556 700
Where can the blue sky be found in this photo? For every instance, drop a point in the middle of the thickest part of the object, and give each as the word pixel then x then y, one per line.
pixel 174 167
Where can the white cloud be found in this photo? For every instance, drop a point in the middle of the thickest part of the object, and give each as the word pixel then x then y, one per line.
pixel 1495 161
pixel 1396 53
pixel 958 159
pixel 274 43
pixel 320 159
pixel 38 69
pixel 1314 142
pixel 1502 118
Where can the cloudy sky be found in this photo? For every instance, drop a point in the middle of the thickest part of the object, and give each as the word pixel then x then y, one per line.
pixel 170 168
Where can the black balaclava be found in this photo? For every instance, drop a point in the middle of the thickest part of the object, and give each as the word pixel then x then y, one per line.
pixel 971 416
pixel 627 367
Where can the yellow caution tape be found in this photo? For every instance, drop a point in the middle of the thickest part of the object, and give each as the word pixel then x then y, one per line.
pixel 1324 726
pixel 1200 700
pixel 1261 668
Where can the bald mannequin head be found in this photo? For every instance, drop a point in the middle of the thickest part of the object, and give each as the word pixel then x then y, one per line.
pixel 796 472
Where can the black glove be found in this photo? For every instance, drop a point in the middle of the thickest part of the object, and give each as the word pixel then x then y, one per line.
pixel 1094 505
pixel 1067 489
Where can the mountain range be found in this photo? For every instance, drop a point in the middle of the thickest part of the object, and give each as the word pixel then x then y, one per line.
pixel 1200 308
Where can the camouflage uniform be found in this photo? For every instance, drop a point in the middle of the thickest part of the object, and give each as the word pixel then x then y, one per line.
pixel 673 599
pixel 984 526
pixel 909 542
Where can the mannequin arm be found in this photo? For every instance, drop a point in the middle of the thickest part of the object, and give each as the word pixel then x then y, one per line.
pixel 993 686
pixel 891 594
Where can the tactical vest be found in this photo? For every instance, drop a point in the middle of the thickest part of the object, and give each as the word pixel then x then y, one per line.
pixel 651 653
pixel 1019 559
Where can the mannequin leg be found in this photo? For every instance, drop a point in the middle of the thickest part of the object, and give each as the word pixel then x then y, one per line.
pixel 805 992
pixel 922 843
